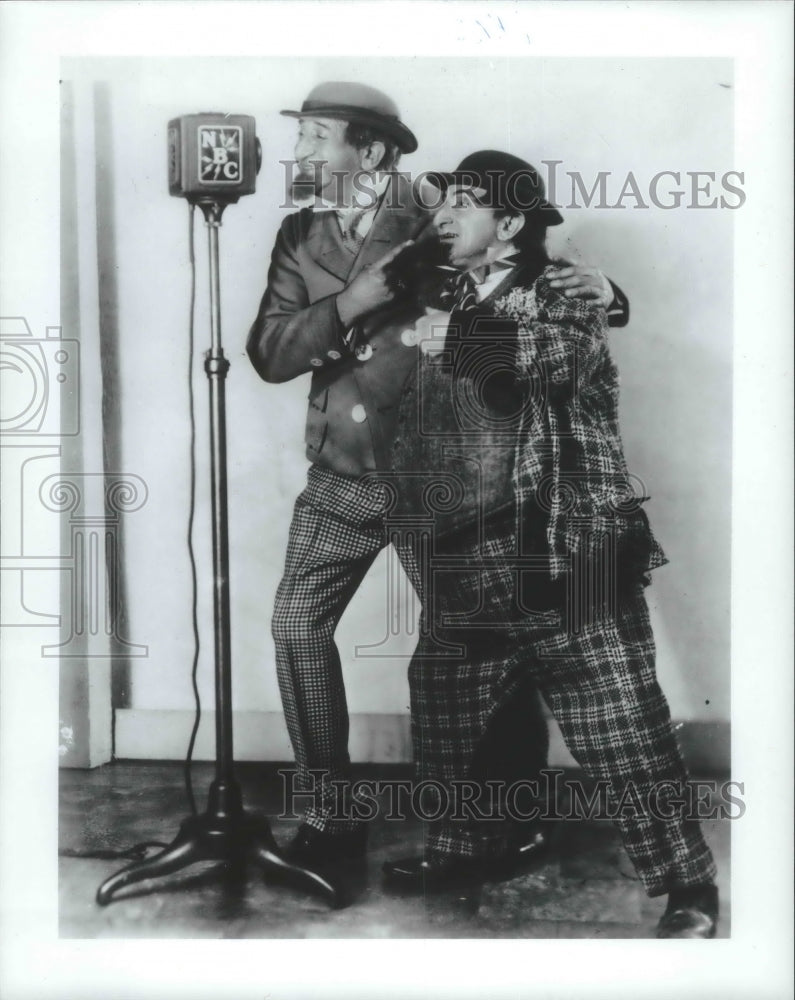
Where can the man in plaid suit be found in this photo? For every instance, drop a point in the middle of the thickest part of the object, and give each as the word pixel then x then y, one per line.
pixel 538 552
pixel 329 309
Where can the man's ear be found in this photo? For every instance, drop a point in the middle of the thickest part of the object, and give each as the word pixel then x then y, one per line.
pixel 509 226
pixel 372 155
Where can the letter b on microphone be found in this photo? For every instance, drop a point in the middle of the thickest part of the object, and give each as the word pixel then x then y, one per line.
pixel 212 157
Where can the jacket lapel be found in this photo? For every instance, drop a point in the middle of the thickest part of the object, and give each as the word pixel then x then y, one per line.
pixel 399 217
pixel 519 276
pixel 324 245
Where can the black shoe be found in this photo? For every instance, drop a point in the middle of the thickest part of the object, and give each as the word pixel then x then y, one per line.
pixel 312 848
pixel 691 913
pixel 439 872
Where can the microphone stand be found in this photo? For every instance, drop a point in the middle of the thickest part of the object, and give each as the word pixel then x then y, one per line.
pixel 225 831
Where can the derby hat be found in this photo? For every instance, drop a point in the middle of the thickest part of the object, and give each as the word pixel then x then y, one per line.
pixel 508 182
pixel 360 104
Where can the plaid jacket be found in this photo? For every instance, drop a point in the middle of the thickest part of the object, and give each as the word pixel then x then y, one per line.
pixel 539 426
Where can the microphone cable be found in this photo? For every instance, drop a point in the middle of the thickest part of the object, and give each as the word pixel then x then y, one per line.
pixel 139 851
pixel 192 512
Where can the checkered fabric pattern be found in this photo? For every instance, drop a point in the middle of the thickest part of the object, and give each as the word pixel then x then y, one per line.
pixel 593 664
pixel 601 686
pixel 474 604
pixel 336 532
pixel 575 468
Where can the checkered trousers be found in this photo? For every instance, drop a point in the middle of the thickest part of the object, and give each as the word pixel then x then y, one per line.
pixel 336 532
pixel 599 681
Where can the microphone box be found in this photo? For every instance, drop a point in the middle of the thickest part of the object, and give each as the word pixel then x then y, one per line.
pixel 212 156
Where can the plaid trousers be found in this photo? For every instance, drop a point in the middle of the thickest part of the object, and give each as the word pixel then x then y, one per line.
pixel 337 530
pixel 598 679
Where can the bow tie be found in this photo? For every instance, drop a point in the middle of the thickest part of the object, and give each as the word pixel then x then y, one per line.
pixel 458 292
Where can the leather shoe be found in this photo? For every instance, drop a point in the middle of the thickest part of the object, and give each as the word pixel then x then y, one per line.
pixel 311 847
pixel 691 913
pixel 436 872
pixel 440 871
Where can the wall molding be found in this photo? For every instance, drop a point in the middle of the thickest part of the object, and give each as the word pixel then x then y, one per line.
pixel 375 737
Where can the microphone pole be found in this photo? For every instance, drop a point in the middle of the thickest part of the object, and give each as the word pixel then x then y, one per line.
pixel 225 831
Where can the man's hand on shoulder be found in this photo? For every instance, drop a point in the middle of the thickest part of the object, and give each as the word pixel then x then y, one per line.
pixel 579 282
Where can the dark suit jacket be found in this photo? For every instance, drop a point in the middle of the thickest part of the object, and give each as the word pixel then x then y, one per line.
pixel 353 397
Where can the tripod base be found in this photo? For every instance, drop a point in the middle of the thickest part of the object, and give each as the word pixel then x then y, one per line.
pixel 225 832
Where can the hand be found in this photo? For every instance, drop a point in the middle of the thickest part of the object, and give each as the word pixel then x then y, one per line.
pixel 369 290
pixel 579 282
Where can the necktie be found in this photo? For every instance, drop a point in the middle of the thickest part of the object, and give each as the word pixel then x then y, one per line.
pixel 458 292
pixel 351 239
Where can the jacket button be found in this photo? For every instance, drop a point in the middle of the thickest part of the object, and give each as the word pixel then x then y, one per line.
pixel 316 362
pixel 364 352
pixel 358 414
pixel 334 355
pixel 410 338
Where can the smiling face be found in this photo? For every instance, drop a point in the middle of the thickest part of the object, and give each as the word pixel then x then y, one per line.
pixel 471 231
pixel 326 162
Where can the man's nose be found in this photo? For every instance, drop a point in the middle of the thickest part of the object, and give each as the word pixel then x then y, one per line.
pixel 303 148
pixel 443 216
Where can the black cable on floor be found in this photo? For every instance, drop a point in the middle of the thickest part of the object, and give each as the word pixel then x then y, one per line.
pixel 136 853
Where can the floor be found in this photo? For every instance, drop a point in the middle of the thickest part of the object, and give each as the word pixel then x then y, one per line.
pixel 585 888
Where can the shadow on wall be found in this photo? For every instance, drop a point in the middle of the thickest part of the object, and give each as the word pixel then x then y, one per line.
pixel 679 442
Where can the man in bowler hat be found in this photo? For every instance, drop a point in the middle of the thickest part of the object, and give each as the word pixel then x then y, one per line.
pixel 539 568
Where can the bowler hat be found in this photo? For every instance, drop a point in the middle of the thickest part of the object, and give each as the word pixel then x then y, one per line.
pixel 509 183
pixel 356 102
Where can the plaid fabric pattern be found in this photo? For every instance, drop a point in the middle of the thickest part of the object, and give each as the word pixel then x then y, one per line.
pixel 601 686
pixel 336 532
pixel 470 604
pixel 569 455
pixel 594 665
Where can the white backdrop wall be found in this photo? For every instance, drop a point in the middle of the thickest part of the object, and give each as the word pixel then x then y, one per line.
pixel 644 116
